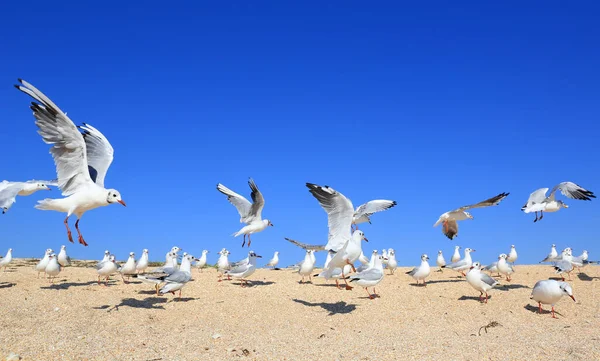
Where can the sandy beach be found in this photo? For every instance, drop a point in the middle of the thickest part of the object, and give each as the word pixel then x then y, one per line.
pixel 279 319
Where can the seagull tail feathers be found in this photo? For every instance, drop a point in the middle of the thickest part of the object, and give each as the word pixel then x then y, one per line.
pixel 45 204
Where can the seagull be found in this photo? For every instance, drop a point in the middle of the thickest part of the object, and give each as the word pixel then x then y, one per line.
pixel 464 264
pixel 250 213
pixel 364 212
pixel 480 281
pixel 493 267
pixel 550 292
pixel 392 262
pixel 81 159
pixel 504 267
pixel 41 266
pixel 421 272
pixel 6 260
pixel 63 259
pixel 563 263
pixel 345 244
pixel 176 280
pixel 336 274
pixel 371 263
pixel 142 263
pixel 448 219
pixel 440 261
pixel 106 258
pixel 153 275
pixel 202 260
pixel 244 271
pixel 512 255
pixel 538 202
pixel 273 261
pixel 128 268
pixel 456 255
pixel 307 266
pixel 53 267
pixel 384 254
pixel 10 190
pixel 579 262
pixel 223 264
pixel 370 277
pixel 105 269
pixel 551 256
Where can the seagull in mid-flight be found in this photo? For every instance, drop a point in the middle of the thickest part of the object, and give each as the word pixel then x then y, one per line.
pixel 250 213
pixel 448 219
pixel 82 156
pixel 10 190
pixel 538 202
pixel 364 212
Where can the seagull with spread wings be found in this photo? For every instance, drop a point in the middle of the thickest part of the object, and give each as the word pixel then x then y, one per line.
pixel 449 219
pixel 538 202
pixel 82 156
pixel 250 213
pixel 364 212
pixel 10 190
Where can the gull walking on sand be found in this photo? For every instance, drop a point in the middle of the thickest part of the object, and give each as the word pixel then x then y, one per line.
pixel 41 266
pixel 504 267
pixel 480 281
pixel 549 292
pixel 176 280
pixel 53 267
pixel 463 265
pixel 105 269
pixel 128 268
pixel 242 272
pixel 551 257
pixel 307 266
pixel 450 218
pixel 456 254
pixel 392 262
pixel 422 271
pixel 142 263
pixel 538 202
pixel 82 160
pixel 273 261
pixel 4 262
pixel 63 259
pixel 10 190
pixel 370 277
pixel 202 260
pixel 512 255
pixel 364 212
pixel 440 261
pixel 250 213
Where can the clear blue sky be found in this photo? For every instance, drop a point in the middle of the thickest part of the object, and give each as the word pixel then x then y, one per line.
pixel 433 105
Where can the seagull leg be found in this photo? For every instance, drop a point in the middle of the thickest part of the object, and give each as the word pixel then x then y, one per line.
pixel 81 240
pixel 486 297
pixel 337 284
pixel 179 294
pixel 156 287
pixel 249 240
pixel 424 283
pixel 375 293
pixel 553 315
pixel 542 215
pixel 310 278
pixel 68 230
pixel 480 296
pixel 244 243
pixel 367 290
pixel 348 287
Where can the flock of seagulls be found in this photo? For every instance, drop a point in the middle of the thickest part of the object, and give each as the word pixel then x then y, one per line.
pixel 83 155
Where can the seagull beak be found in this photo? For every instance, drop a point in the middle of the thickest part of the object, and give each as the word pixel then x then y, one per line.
pixel 471 267
pixel 122 202
pixel 258 256
pixel 48 188
pixel 572 297
pixel 365 238
pixel 472 250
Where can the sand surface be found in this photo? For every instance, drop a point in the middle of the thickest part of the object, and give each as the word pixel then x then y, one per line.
pixel 279 319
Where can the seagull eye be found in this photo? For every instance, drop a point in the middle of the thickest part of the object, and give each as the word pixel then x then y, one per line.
pixel 114 195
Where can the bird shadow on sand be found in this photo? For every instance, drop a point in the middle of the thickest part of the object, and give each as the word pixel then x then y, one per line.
pixel 66 285
pixel 7 284
pixel 255 283
pixel 147 303
pixel 473 298
pixel 509 286
pixel 422 285
pixel 535 309
pixel 461 279
pixel 584 277
pixel 333 308
pixel 329 285
pixel 148 292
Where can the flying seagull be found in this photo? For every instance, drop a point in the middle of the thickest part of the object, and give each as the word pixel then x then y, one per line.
pixel 448 219
pixel 10 190
pixel 538 202
pixel 250 213
pixel 81 159
pixel 364 212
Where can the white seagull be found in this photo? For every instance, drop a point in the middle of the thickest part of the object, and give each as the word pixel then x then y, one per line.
pixel 370 277
pixel 106 258
pixel 244 271
pixel 538 202
pixel 202 260
pixel 53 267
pixel 456 255
pixel 550 292
pixel 551 256
pixel 81 159
pixel 105 269
pixel 250 213
pixel 504 267
pixel 440 261
pixel 464 264
pixel 128 268
pixel 307 266
pixel 6 260
pixel 392 262
pixel 273 261
pixel 512 255
pixel 142 263
pixel 368 265
pixel 41 266
pixel 364 212
pixel 63 258
pixel 223 264
pixel 422 271
pixel 480 281
pixel 449 219
pixel 10 190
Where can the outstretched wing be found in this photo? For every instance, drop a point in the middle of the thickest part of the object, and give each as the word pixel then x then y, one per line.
pixel 307 246
pixel 259 202
pixel 573 191
pixel 374 206
pixel 339 214
pixel 494 201
pixel 8 195
pixel 99 153
pixel 68 146
pixel 242 205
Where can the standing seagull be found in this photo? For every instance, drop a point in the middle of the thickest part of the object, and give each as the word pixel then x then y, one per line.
pixel 370 277
pixel 81 159
pixel 480 281
pixel 421 272
pixel 6 260
pixel 274 261
pixel 142 263
pixel 10 190
pixel 364 212
pixel 550 292
pixel 250 213
pixel 201 263
pixel 440 261
pixel 551 256
pixel 63 259
pixel 41 266
pixel 448 219
pixel 53 268
pixel 538 202
pixel 456 255
pixel 512 255
pixel 464 264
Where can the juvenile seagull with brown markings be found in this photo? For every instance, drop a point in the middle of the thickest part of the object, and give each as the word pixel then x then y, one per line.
pixel 448 219
pixel 538 202
pixel 250 213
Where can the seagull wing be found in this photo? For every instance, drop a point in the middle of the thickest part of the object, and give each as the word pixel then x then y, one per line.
pixel 68 146
pixel 307 246
pixel 537 197
pixel 242 205
pixel 374 206
pixel 573 191
pixel 99 153
pixel 8 195
pixel 494 201
pixel 339 214
pixel 489 280
pixel 259 202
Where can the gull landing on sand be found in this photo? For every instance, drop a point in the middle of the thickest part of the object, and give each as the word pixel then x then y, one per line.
pixel 81 159
pixel 448 219
pixel 250 213
pixel 538 202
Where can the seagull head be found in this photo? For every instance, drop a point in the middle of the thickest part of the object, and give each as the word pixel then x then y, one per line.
pixel 43 186
pixel 475 265
pixel 502 255
pixel 131 254
pixel 145 251
pixel 360 234
pixel 424 257
pixel 566 289
pixel 562 204
pixel 268 223
pixel 254 255
pixel 114 197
